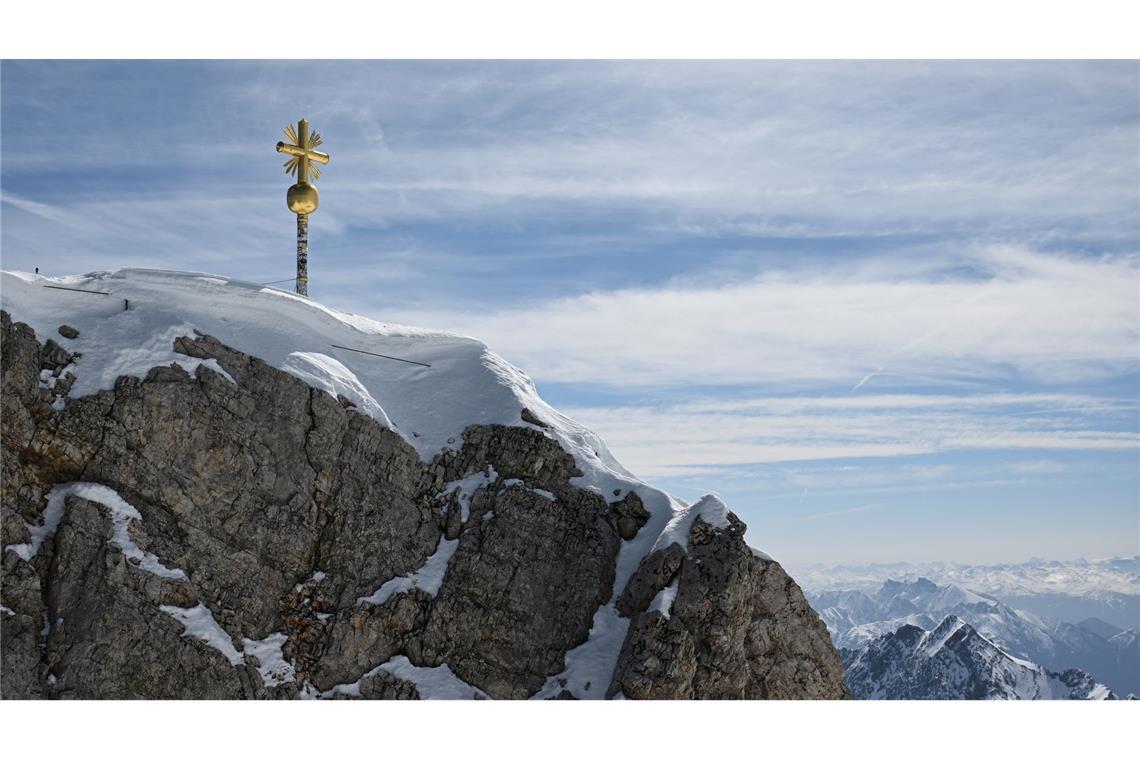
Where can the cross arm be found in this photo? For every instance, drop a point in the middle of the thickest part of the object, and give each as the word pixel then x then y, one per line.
pixel 293 150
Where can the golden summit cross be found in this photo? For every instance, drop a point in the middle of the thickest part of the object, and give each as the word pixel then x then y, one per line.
pixel 302 197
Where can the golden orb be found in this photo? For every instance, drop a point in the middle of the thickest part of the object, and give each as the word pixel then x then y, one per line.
pixel 302 198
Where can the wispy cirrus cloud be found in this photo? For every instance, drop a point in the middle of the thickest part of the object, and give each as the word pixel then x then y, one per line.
pixel 798 149
pixel 697 438
pixel 812 516
pixel 996 312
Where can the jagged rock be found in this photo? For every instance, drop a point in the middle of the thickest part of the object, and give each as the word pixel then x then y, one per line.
pixel 788 654
pixel 631 515
pixel 363 636
pixel 68 332
pixel 54 356
pixel 283 507
pixel 658 660
pixel 515 452
pixel 739 628
pixel 653 574
pixel 21 626
pixel 108 638
pixel 529 416
pixel 385 686
pixel 453 518
pixel 20 408
pixel 532 579
pixel 172 374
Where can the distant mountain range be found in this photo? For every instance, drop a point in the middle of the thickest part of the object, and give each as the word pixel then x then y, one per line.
pixel 868 625
pixel 953 661
pixel 1069 590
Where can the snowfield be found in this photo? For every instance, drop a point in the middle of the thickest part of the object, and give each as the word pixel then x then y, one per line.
pixel 128 322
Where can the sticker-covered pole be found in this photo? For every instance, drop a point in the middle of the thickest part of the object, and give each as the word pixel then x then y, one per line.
pixel 302 254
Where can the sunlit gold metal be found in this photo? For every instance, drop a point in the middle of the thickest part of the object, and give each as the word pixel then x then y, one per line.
pixel 302 197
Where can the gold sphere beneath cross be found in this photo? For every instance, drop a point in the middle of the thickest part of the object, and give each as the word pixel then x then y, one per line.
pixel 302 198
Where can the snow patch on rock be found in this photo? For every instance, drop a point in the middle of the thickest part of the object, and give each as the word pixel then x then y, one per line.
pixel 466 488
pixel 272 665
pixel 710 509
pixel 200 624
pixel 517 482
pixel 428 577
pixel 663 602
pixel 53 513
pixel 330 375
pixel 122 515
pixel 431 683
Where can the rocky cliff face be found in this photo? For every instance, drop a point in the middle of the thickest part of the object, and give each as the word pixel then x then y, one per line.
pixel 232 532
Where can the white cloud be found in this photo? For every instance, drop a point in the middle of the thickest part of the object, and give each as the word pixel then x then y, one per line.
pixel 1013 312
pixel 811 146
pixel 693 439
pixel 846 146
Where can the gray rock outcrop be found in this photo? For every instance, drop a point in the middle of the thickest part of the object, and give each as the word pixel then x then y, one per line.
pixel 738 627
pixel 265 520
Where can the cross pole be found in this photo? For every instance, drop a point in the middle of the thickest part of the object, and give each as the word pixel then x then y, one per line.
pixel 302 197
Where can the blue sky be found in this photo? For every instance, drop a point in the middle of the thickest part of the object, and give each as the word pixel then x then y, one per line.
pixel 887 310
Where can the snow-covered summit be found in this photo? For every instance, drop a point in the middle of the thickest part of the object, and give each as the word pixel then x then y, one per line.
pixel 129 320
pixel 132 328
